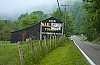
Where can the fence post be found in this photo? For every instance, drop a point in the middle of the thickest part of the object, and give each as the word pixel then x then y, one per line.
pixel 45 43
pixel 40 49
pixel 55 41
pixel 30 44
pixel 20 53
pixel 50 42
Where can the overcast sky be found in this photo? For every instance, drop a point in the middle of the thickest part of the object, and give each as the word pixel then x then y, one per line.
pixel 13 8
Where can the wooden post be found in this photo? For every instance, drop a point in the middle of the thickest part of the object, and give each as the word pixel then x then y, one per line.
pixel 62 29
pixel 55 41
pixel 20 53
pixel 45 43
pixel 31 45
pixel 45 40
pixel 50 42
pixel 40 47
pixel 40 31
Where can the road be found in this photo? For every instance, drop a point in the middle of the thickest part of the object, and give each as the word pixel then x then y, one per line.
pixel 91 50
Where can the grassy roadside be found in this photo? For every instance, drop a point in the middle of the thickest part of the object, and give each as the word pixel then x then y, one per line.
pixel 66 55
pixel 31 52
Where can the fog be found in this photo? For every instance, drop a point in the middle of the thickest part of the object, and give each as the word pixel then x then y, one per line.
pixel 11 9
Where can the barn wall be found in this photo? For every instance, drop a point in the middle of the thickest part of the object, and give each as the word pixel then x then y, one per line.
pixel 31 32
pixel 34 31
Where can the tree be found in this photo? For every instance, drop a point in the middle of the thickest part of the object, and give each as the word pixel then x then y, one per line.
pixel 26 20
pixel 92 8
pixel 6 27
pixel 68 24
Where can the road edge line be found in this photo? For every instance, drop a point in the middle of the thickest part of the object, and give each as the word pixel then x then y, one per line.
pixel 85 55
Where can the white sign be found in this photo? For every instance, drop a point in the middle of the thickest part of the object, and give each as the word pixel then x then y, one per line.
pixel 56 26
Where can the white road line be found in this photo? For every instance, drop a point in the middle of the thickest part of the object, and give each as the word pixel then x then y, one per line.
pixel 86 56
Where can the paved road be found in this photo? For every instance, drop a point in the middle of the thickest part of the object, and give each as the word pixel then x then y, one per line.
pixel 91 50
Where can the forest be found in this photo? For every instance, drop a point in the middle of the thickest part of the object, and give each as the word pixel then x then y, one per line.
pixel 80 31
pixel 83 18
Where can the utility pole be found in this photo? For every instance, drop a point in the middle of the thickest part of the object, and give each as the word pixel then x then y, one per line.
pixel 58 6
pixel 65 6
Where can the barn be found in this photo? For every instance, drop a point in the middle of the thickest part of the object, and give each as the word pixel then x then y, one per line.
pixel 43 29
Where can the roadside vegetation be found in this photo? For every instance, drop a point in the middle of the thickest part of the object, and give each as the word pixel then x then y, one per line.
pixel 84 19
pixel 65 55
pixel 27 53
pixel 46 52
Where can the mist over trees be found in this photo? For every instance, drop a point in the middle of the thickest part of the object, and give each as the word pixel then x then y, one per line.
pixel 87 18
pixel 83 18
pixel 92 8
pixel 24 21
pixel 66 18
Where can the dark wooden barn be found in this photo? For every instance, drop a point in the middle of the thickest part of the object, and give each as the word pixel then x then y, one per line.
pixel 43 29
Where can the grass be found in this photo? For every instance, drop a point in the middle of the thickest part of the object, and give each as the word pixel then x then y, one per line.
pixel 65 55
pixel 32 51
pixel 58 52
pixel 8 55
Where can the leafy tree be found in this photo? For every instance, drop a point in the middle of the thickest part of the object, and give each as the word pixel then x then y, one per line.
pixel 6 27
pixel 92 8
pixel 27 20
pixel 66 18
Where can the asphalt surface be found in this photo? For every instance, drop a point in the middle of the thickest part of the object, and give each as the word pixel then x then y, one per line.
pixel 91 50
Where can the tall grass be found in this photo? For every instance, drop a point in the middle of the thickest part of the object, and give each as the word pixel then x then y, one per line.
pixel 28 53
pixel 34 51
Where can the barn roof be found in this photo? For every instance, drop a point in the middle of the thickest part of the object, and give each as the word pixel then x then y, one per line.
pixel 53 18
pixel 21 30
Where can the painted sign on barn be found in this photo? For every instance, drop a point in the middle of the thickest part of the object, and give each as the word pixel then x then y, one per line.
pixel 51 27
pixel 45 28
